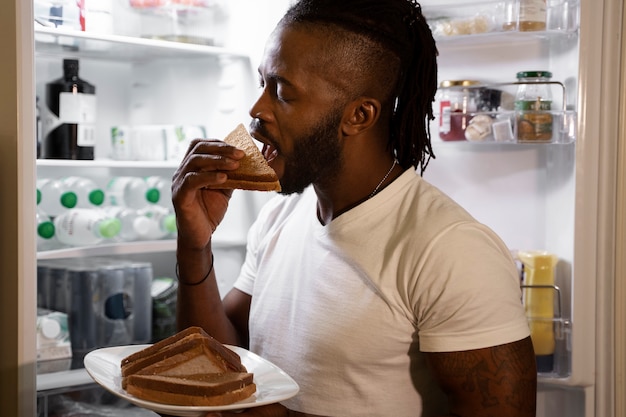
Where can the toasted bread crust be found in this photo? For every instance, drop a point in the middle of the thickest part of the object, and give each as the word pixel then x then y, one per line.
pixel 188 368
pixel 173 398
pixel 199 384
pixel 254 173
pixel 183 343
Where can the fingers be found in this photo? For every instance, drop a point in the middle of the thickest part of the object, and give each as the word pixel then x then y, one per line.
pixel 206 162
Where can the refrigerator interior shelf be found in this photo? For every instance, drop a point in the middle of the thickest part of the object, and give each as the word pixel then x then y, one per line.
pixel 137 247
pixel 56 41
pixel 504 38
pixel 63 379
pixel 106 163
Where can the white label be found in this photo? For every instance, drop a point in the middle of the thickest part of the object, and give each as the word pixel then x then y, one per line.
pixel 86 135
pixel 444 117
pixel 76 108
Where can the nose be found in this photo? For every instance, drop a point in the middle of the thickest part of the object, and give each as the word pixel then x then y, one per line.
pixel 260 108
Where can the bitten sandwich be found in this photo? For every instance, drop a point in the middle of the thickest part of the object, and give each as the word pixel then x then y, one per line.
pixel 253 173
pixel 189 368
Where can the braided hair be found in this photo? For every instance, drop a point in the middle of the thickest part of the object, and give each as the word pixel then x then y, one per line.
pixel 399 29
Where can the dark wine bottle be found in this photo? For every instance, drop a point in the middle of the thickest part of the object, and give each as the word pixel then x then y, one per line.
pixel 70 117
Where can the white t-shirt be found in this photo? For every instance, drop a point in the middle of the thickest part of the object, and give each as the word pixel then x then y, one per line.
pixel 347 308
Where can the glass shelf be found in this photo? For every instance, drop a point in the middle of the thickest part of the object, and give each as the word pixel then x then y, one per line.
pixel 54 41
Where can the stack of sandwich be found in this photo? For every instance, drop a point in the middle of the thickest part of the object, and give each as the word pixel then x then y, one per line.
pixel 189 368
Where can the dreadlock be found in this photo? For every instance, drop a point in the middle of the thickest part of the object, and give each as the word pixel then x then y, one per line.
pixel 399 28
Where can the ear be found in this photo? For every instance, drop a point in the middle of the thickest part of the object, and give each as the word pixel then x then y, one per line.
pixel 359 115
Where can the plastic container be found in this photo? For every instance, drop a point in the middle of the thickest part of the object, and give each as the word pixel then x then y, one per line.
pixel 162 223
pixel 46 239
pixel 131 192
pixel 164 187
pixel 539 301
pixel 133 225
pixel 88 194
pixel 79 227
pixel 55 197
pixel 533 105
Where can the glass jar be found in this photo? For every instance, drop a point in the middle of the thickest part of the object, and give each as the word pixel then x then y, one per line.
pixel 525 15
pixel 457 103
pixel 533 104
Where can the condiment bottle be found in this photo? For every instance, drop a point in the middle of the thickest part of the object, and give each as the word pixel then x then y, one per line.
pixel 457 103
pixel 538 296
pixel 525 15
pixel 533 103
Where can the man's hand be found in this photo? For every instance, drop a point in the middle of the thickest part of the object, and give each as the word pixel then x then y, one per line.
pixel 199 209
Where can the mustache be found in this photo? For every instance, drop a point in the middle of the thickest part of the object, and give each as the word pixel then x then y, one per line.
pixel 258 127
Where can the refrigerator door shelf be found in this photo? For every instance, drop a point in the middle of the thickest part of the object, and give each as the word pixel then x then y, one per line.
pixel 483 19
pixel 500 127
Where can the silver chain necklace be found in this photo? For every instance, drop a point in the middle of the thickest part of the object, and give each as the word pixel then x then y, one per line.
pixel 395 161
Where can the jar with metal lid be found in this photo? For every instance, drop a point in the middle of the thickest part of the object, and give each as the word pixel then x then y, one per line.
pixel 533 104
pixel 457 102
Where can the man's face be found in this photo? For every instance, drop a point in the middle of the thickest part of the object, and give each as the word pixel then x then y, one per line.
pixel 299 111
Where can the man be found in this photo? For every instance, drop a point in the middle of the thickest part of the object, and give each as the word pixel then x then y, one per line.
pixel 378 294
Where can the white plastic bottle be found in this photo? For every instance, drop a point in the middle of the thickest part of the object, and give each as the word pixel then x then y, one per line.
pixel 88 194
pixel 162 223
pixel 164 187
pixel 46 239
pixel 81 227
pixel 133 224
pixel 131 192
pixel 55 197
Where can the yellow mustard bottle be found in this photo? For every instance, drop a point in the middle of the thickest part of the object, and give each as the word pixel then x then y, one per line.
pixel 539 293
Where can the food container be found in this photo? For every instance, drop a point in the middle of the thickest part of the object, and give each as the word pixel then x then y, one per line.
pixel 192 21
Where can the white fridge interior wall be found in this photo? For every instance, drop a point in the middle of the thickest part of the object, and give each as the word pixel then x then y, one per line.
pixel 525 192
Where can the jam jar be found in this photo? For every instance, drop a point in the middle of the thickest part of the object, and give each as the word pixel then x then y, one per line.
pixel 457 105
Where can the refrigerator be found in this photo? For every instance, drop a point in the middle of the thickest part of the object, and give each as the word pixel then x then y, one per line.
pixel 565 197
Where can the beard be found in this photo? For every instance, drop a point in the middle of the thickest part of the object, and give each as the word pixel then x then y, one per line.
pixel 316 156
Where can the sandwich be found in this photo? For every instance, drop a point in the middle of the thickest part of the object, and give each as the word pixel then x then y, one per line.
pixel 254 173
pixel 189 368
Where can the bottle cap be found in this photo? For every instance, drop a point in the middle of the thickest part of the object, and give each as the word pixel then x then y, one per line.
pixel 38 196
pixel 142 225
pixel 69 199
pixel 153 195
pixel 109 228
pixel 534 74
pixel 169 223
pixel 50 329
pixel 96 197
pixel 45 230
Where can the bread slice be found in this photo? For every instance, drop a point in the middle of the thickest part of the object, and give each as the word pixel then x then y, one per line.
pixel 254 173
pixel 188 368
pixel 180 348
pixel 194 384
pixel 180 391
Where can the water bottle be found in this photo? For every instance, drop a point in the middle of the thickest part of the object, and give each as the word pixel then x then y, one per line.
pixel 45 232
pixel 88 194
pixel 80 227
pixel 162 223
pixel 55 197
pixel 132 192
pixel 164 187
pixel 133 224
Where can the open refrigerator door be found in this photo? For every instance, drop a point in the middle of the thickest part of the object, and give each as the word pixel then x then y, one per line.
pixel 517 136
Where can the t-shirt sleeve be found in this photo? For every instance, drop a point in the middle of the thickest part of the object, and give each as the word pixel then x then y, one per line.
pixel 468 295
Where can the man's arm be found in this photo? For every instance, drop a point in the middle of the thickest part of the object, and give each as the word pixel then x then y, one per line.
pixel 494 381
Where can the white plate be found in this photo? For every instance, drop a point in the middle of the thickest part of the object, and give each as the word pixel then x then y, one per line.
pixel 273 385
